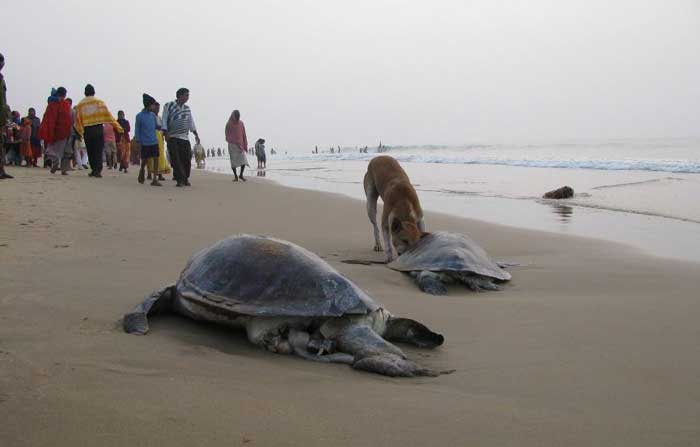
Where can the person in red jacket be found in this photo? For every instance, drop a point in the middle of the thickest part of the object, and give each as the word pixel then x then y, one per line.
pixel 55 130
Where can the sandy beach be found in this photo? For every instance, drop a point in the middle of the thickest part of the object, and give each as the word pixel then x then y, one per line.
pixel 591 343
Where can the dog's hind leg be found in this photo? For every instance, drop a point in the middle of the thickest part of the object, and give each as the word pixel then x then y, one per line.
pixel 372 196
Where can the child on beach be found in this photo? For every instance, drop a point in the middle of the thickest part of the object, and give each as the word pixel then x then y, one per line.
pixel 110 145
pixel 145 133
pixel 80 154
pixel 26 143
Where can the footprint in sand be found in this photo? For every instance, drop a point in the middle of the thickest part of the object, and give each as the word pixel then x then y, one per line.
pixel 95 327
pixel 121 368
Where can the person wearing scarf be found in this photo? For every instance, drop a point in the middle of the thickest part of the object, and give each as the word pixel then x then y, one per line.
pixel 91 114
pixel 237 144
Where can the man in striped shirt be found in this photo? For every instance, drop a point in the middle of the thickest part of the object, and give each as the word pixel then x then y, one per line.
pixel 177 125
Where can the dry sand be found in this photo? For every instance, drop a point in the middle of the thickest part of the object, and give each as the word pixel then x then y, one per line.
pixel 590 344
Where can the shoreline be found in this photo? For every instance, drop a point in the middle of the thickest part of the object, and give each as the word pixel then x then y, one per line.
pixel 653 234
pixel 590 343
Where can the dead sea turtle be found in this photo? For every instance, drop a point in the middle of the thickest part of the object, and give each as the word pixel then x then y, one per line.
pixel 442 257
pixel 289 301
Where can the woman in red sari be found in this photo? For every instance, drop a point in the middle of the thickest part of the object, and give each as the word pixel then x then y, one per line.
pixel 25 146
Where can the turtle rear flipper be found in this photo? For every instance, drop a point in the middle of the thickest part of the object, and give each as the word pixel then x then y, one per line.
pixel 136 321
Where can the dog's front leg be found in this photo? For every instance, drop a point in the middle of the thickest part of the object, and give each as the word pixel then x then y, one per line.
pixel 388 247
pixel 372 213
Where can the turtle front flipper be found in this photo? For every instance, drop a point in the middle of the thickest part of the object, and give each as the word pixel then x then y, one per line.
pixel 393 366
pixel 374 354
pixel 431 282
pixel 477 283
pixel 136 321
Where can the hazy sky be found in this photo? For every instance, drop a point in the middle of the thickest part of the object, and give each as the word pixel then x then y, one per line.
pixel 354 72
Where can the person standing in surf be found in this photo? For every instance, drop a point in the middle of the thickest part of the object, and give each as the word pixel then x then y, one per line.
pixel 237 144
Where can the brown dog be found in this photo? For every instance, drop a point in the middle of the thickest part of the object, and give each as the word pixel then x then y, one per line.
pixel 402 218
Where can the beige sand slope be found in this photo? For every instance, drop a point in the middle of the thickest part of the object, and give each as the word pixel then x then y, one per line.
pixel 591 344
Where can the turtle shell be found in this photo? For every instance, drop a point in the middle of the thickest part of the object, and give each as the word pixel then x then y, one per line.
pixel 443 251
pixel 263 276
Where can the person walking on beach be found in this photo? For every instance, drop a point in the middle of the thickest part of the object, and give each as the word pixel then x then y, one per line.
pixel 13 139
pixel 158 167
pixel 110 145
pixel 35 140
pixel 237 144
pixel 55 130
pixel 260 153
pixel 123 142
pixel 91 114
pixel 145 131
pixel 79 150
pixel 4 115
pixel 177 125
pixel 80 154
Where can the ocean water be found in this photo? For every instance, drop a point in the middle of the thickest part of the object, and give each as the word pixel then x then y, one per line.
pixel 640 193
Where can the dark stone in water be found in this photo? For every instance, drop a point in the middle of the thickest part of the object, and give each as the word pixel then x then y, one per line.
pixel 565 192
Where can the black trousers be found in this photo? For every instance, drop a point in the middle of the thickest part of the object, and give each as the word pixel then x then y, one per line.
pixel 180 153
pixel 95 144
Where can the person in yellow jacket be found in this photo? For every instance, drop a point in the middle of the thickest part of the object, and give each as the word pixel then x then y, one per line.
pixel 90 114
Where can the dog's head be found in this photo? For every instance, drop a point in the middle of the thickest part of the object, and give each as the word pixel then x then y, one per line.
pixel 404 235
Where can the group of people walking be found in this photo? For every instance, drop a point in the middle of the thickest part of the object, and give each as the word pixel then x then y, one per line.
pixel 87 136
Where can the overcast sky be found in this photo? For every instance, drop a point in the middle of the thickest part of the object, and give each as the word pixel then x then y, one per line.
pixel 355 72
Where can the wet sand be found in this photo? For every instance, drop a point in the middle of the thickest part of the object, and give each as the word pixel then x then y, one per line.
pixel 591 343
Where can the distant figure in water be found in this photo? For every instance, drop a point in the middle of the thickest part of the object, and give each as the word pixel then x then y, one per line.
pixel 237 144
pixel 272 151
pixel 260 153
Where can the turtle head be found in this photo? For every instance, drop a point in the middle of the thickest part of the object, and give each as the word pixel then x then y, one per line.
pixel 405 330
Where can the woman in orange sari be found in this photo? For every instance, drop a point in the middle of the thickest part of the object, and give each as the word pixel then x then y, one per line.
pixel 123 142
